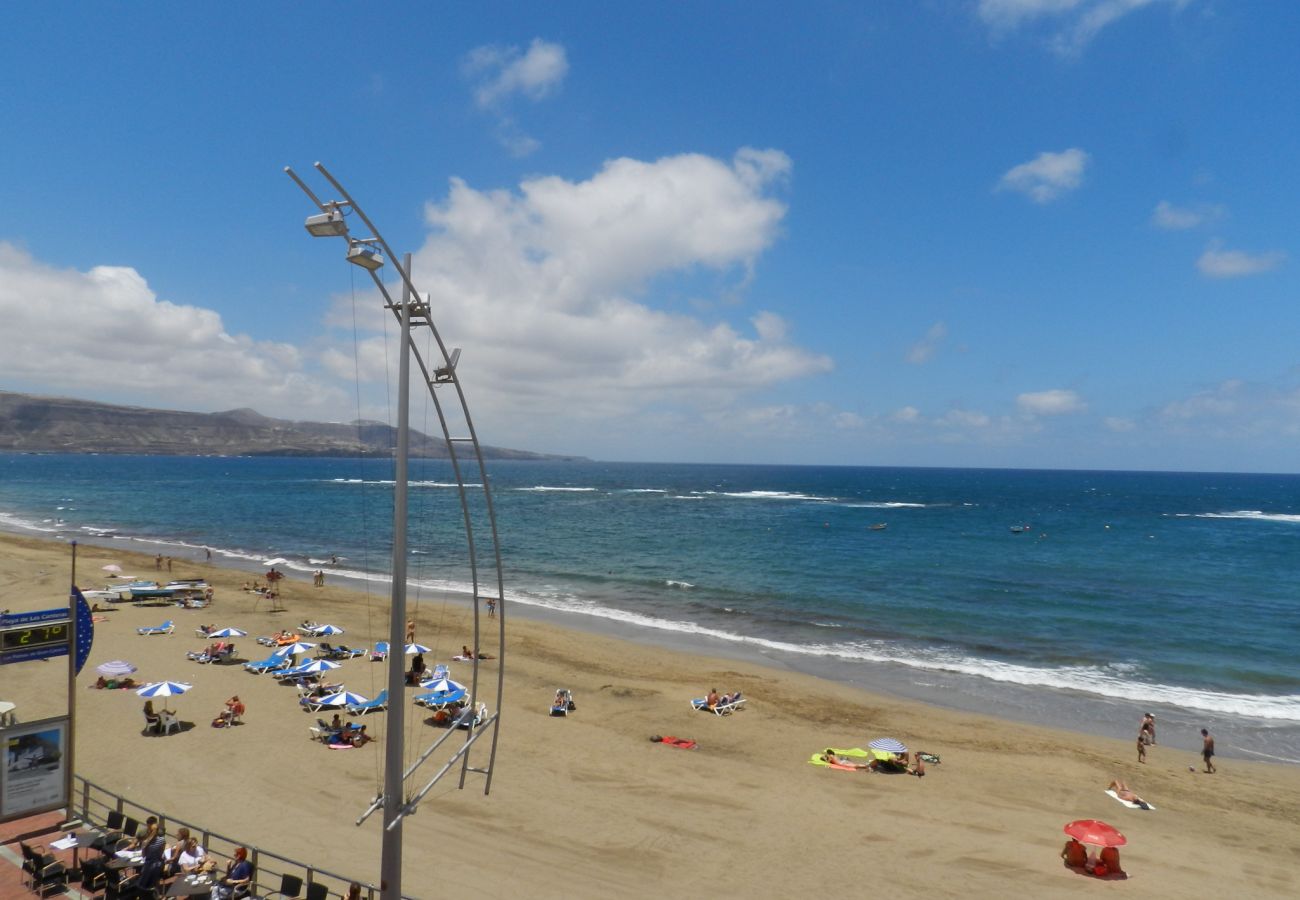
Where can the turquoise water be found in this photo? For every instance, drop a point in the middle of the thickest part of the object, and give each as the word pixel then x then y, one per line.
pixel 1175 591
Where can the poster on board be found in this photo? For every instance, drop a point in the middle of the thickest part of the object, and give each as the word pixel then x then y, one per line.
pixel 32 778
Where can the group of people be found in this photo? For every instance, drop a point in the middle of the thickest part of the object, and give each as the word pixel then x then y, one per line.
pixel 713 699
pixel 318 578
pixel 901 762
pixel 1076 856
pixel 342 733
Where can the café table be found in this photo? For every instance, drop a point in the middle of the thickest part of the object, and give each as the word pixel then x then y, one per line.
pixel 126 862
pixel 75 842
pixel 190 887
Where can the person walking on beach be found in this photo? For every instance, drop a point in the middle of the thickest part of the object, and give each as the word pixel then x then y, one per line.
pixel 157 563
pixel 208 552
pixel 492 607
pixel 1142 746
pixel 1149 728
pixel 169 564
pixel 410 631
pixel 1207 751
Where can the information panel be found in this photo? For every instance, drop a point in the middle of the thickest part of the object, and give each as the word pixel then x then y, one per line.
pixel 33 779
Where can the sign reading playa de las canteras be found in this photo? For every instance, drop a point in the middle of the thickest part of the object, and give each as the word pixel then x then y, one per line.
pixel 26 636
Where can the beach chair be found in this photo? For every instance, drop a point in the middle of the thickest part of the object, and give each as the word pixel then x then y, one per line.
pixel 270 664
pixel 165 628
pixel 563 702
pixel 167 723
pixel 322 730
pixel 324 649
pixel 343 652
pixel 475 719
pixel 380 653
pixel 722 709
pixel 379 704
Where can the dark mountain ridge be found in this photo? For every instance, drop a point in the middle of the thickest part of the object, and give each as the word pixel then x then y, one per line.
pixel 30 423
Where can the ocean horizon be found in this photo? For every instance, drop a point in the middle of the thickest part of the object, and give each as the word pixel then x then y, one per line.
pixel 1079 599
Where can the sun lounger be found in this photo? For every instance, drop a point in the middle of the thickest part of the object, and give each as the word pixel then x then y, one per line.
pixel 342 652
pixel 270 664
pixel 379 704
pixel 165 628
pixel 723 708
pixel 563 703
pixel 475 719
pixel 380 653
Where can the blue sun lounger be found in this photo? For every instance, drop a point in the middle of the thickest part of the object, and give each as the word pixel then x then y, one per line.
pixel 165 628
pixel 379 704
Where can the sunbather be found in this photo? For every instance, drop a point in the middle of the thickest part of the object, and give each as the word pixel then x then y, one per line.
pixel 834 759
pixel 1123 792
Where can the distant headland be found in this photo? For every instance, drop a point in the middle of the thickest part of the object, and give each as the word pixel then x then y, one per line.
pixel 35 424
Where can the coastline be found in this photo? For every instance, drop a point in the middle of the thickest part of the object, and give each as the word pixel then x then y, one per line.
pixel 1092 713
pixel 586 806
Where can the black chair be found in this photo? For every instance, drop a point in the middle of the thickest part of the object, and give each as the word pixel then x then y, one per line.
pixel 290 887
pixel 317 891
pixel 29 864
pixel 48 873
pixel 121 885
pixel 94 876
pixel 112 832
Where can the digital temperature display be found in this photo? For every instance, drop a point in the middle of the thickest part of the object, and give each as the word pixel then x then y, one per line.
pixel 33 636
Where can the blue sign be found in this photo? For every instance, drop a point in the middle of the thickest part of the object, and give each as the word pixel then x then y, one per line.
pixel 13 620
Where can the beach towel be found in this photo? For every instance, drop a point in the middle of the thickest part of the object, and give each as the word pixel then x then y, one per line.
pixel 340 746
pixel 817 759
pixel 1129 803
pixel 670 741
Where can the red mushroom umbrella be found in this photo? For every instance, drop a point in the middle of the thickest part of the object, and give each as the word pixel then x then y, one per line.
pixel 1095 831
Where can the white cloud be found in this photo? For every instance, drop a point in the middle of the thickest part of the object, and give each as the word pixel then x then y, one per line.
pixel 924 350
pixel 1119 424
pixel 1050 403
pixel 1180 218
pixel 500 74
pixel 106 331
pixel 503 72
pixel 1219 263
pixel 1047 176
pixel 907 414
pixel 1238 411
pixel 1070 24
pixel 551 290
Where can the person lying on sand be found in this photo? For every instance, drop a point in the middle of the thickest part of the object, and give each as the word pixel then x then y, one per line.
pixel 1123 792
pixel 833 759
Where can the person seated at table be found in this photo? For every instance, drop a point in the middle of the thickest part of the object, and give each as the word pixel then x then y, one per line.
pixel 193 859
pixel 239 874
pixel 1074 854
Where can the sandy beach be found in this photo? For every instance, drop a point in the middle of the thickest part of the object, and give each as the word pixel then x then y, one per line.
pixel 587 806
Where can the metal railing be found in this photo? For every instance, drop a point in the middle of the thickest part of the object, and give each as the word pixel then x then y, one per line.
pixel 92 803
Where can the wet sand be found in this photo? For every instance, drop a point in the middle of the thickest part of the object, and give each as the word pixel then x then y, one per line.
pixel 587 806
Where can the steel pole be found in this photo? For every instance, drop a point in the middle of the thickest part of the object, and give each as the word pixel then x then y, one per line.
pixel 390 875
pixel 70 751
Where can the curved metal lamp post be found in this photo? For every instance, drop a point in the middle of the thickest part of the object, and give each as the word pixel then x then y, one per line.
pixel 463 449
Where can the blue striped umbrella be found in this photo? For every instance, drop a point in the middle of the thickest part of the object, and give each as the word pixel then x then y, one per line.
pixel 115 668
pixel 316 665
pixel 889 745
pixel 294 649
pixel 228 633
pixel 343 698
pixel 164 689
pixel 327 630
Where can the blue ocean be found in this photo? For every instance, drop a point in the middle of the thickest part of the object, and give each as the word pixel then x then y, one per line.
pixel 1077 599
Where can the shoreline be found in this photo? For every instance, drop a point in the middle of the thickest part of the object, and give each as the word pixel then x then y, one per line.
pixel 585 806
pixel 1241 736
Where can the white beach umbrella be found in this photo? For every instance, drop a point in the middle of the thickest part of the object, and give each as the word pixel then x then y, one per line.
pixel 112 567
pixel 343 698
pixel 888 744
pixel 294 649
pixel 116 667
pixel 164 689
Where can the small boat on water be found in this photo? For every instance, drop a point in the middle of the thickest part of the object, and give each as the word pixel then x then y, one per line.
pixel 1019 529
pixel 879 526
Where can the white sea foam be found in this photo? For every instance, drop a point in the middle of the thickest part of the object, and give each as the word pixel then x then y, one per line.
pixel 645 491
pixel 885 504
pixel 547 488
pixel 1289 518
pixel 679 584
pixel 390 482
pixel 9 520
pixel 765 495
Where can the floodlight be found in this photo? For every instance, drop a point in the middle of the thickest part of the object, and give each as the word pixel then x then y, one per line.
pixel 329 224
pixel 365 257
pixel 445 373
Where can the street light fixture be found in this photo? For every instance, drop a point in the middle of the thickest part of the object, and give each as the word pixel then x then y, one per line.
pixel 365 257
pixel 327 224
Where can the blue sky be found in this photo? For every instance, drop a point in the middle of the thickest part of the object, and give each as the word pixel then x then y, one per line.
pixel 1039 233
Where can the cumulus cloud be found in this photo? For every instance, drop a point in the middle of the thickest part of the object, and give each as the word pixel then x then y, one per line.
pixel 502 74
pixel 1070 24
pixel 1050 403
pixel 104 328
pixel 1047 176
pixel 553 288
pixel 1219 263
pixel 924 350
pixel 1180 218
pixel 1235 410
